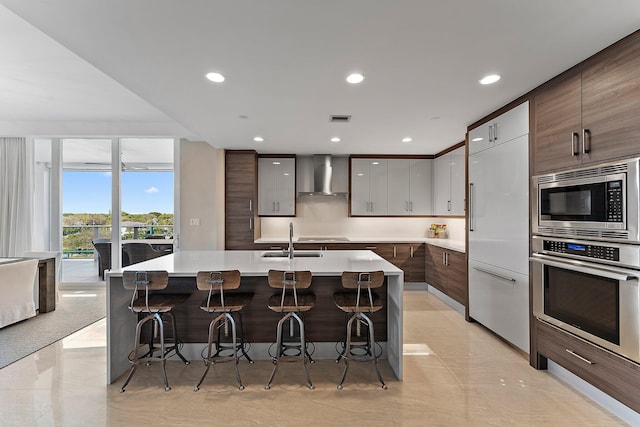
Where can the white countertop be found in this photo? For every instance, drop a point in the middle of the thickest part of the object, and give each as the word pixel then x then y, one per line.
pixel 250 263
pixel 454 245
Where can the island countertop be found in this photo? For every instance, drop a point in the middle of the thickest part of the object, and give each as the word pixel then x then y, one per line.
pixel 252 263
pixel 183 267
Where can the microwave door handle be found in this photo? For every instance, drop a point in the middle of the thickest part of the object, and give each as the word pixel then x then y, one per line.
pixel 471 201
pixel 580 267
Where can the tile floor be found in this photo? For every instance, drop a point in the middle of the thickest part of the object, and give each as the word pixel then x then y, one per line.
pixel 456 374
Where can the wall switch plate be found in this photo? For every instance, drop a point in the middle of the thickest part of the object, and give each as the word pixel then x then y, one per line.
pixel 194 221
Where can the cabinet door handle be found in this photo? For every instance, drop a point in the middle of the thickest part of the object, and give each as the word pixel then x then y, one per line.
pixel 394 252
pixel 495 131
pixel 584 359
pixel 370 247
pixel 278 205
pixel 586 141
pixel 499 276
pixel 471 225
pixel 410 206
pixel 444 257
pixel 448 205
pixel 411 251
pixel 250 223
pixel 250 205
pixel 490 133
pixel 574 143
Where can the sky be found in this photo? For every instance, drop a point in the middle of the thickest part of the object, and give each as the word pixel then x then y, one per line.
pixel 142 192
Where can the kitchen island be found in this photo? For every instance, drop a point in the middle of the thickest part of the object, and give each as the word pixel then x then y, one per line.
pixel 323 325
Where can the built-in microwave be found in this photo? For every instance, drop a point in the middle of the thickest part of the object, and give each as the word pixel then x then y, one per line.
pixel 587 289
pixel 599 202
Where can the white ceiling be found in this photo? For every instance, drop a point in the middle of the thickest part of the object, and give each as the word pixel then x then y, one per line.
pixel 122 67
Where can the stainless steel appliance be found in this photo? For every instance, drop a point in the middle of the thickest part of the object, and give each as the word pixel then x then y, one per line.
pixel 599 202
pixel 589 288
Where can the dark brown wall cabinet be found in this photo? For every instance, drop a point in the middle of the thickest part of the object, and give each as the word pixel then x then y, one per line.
pixel 590 114
pixel 242 225
pixel 446 271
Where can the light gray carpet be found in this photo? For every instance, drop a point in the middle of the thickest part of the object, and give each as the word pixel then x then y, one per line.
pixel 71 314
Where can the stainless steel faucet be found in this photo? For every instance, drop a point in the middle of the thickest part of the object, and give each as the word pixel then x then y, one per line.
pixel 291 240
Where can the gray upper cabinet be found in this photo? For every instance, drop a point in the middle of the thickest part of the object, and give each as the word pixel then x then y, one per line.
pixel 368 187
pixel 276 186
pixel 449 183
pixel 409 186
pixel 505 127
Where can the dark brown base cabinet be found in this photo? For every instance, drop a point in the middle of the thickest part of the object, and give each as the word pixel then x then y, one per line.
pixel 446 270
pixel 613 374
pixel 407 256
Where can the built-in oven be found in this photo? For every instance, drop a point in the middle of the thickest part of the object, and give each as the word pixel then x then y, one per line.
pixel 599 202
pixel 589 288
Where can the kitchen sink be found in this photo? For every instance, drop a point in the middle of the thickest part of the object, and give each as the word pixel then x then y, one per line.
pixel 295 255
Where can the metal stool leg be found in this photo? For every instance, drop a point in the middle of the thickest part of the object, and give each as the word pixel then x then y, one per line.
pixel 162 352
pixel 235 348
pixel 242 343
pixel 135 359
pixel 372 340
pixel 279 349
pixel 207 361
pixel 176 341
pixel 347 350
pixel 303 350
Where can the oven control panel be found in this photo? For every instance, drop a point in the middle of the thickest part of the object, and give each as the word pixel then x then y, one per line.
pixel 586 250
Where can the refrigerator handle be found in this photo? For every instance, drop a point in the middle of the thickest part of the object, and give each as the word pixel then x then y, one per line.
pixel 471 225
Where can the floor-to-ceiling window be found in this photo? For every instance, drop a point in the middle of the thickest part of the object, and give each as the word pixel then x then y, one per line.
pixel 84 196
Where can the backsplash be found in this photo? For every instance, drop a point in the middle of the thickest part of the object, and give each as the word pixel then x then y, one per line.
pixel 329 216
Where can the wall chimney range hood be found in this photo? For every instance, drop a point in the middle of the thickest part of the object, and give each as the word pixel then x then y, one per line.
pixel 322 175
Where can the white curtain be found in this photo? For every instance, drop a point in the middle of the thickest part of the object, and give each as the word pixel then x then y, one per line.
pixel 16 196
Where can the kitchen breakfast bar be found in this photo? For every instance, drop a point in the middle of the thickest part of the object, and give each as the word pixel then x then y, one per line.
pixel 324 324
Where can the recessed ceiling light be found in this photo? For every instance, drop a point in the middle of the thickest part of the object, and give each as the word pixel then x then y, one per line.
pixel 477 139
pixel 491 78
pixel 355 78
pixel 407 139
pixel 258 139
pixel 215 77
pixel 375 163
pixel 276 163
pixel 360 174
pixel 335 139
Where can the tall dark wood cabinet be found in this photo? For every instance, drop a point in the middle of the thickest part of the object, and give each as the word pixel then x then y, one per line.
pixel 590 113
pixel 242 225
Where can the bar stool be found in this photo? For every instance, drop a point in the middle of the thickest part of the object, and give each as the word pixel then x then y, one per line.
pixel 355 304
pixel 225 305
pixel 155 306
pixel 291 305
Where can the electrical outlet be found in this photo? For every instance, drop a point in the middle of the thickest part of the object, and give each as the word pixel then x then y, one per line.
pixel 194 221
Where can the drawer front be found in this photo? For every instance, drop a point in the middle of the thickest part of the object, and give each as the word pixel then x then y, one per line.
pixel 615 375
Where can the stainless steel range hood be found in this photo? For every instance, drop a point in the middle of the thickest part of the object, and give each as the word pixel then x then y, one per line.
pixel 322 175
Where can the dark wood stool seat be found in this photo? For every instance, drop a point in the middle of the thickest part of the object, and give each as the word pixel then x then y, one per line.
pixel 348 302
pixel 232 302
pixel 291 305
pixel 305 303
pixel 225 304
pixel 155 306
pixel 158 303
pixel 356 303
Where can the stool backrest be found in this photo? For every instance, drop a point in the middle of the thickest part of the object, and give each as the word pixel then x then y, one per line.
pixel 217 281
pixel 144 281
pixel 355 279
pixel 363 280
pixel 289 280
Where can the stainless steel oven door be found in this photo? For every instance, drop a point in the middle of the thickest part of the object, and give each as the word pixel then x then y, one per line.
pixel 599 303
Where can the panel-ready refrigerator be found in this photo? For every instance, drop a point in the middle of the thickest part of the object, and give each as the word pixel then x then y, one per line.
pixel 498 249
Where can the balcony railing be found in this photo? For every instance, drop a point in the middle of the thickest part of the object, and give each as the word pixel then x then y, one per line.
pixel 83 248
